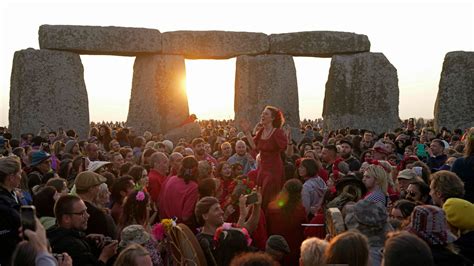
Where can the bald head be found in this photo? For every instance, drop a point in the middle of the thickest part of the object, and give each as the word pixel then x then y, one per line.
pixel 160 162
pixel 240 147
pixel 175 161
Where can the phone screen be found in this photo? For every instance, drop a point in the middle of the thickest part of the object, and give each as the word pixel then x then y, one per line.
pixel 252 198
pixel 28 214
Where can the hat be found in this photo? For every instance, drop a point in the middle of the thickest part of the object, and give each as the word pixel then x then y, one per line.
pixel 350 180
pixel 88 179
pixel 429 223
pixel 38 157
pixel 368 213
pixel 95 165
pixel 445 143
pixel 407 174
pixel 133 234
pixel 278 243
pixel 380 148
pixel 459 213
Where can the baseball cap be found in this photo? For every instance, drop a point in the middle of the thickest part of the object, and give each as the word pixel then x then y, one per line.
pixel 408 174
pixel 88 179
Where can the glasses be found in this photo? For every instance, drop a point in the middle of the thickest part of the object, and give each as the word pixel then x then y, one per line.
pixel 411 194
pixel 82 213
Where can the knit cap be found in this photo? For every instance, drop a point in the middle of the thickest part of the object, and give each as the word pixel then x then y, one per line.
pixel 429 223
pixel 459 213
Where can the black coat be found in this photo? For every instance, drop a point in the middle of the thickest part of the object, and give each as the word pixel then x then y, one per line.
pixel 9 224
pixel 444 257
pixel 74 243
pixel 465 244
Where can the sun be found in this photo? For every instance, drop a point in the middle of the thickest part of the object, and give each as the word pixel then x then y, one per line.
pixel 210 88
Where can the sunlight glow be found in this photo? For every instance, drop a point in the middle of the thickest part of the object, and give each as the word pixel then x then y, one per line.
pixel 210 88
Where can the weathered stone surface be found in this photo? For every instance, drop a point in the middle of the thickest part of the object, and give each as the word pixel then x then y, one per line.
pixel 47 89
pixel 214 44
pixel 318 43
pixel 266 80
pixel 188 132
pixel 100 40
pixel 361 92
pixel 158 100
pixel 454 107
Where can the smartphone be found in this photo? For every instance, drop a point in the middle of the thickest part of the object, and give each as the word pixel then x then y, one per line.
pixel 252 198
pixel 27 215
pixel 421 150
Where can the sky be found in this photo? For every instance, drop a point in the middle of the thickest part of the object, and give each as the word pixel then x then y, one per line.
pixel 414 36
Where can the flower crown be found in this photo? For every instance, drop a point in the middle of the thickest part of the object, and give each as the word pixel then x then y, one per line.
pixel 226 226
pixel 158 230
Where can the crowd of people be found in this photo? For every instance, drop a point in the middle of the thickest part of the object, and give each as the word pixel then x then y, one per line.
pixel 250 195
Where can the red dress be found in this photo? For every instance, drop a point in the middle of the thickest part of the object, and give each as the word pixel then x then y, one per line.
pixel 289 226
pixel 270 170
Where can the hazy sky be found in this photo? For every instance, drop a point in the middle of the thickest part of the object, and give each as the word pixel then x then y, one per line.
pixel 414 36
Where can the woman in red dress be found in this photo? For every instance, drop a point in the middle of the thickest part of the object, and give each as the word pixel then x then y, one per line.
pixel 270 142
pixel 284 217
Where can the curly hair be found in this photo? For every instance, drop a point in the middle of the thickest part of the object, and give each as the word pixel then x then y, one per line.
pixel 277 115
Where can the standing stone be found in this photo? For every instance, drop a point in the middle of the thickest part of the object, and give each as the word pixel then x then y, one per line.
pixel 214 44
pixel 361 92
pixel 266 80
pixel 318 43
pixel 454 107
pixel 158 102
pixel 100 40
pixel 48 89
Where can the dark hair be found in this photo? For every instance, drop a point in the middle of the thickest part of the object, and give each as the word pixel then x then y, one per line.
pixel 64 205
pixel 71 133
pixel 219 169
pixel 207 187
pixel 203 206
pixel 196 141
pixel 405 206
pixel 64 170
pixel 403 248
pixel 125 168
pixel 422 187
pixel 291 194
pixel 253 259
pixel 136 172
pixel 189 169
pixel 278 118
pixel 121 184
pixel 311 166
pixel 58 183
pixel 230 243
pixel 350 247
pixel 135 211
pixel 331 147
pixel 44 201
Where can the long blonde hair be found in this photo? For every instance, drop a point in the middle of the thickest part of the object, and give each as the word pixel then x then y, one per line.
pixel 469 148
pixel 380 175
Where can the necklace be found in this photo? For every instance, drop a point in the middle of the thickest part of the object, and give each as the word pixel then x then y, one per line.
pixel 266 134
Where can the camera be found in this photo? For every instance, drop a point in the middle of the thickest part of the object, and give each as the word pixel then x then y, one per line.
pixel 58 257
pixel 108 240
